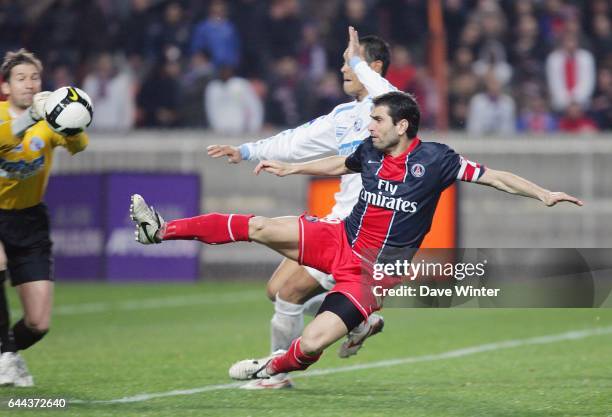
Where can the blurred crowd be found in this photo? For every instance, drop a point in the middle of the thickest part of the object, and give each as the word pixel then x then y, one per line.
pixel 240 66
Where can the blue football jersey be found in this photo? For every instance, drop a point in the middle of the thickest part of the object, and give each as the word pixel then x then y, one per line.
pixel 396 205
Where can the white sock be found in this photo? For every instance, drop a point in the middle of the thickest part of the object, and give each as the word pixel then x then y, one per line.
pixel 311 307
pixel 286 325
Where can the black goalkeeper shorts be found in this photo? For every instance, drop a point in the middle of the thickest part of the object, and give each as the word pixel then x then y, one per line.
pixel 26 238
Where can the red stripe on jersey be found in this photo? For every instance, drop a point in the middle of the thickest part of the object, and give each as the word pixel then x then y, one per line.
pixel 376 221
pixel 394 168
pixel 373 232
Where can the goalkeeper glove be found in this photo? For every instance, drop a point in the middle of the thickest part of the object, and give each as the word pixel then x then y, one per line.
pixel 37 109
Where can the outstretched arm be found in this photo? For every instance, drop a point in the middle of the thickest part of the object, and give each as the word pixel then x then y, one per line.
pixel 332 166
pixel 309 140
pixel 513 184
pixel 231 152
pixel 74 144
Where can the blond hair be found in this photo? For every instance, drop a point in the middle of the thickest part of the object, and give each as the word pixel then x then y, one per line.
pixel 14 58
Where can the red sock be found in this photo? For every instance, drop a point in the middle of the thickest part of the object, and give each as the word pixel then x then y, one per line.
pixel 293 360
pixel 213 228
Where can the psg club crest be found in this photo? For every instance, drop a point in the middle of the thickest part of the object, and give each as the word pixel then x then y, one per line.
pixel 417 170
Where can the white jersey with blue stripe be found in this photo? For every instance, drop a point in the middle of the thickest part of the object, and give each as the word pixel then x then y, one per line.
pixel 339 132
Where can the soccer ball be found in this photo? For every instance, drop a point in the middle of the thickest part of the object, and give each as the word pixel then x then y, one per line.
pixel 68 110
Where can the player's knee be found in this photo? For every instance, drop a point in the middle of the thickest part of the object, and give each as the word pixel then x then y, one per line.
pixel 292 293
pixel 257 227
pixel 271 291
pixel 3 259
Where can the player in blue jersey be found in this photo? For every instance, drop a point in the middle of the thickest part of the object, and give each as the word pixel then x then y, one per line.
pixel 295 288
pixel 402 178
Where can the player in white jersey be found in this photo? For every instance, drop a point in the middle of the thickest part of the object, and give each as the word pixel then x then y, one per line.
pixel 294 288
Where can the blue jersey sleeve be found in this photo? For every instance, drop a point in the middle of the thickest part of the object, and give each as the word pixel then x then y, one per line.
pixel 353 161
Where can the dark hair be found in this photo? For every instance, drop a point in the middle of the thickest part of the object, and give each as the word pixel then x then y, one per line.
pixel 376 49
pixel 12 59
pixel 401 106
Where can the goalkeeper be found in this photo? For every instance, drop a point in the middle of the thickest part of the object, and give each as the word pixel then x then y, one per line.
pixel 26 155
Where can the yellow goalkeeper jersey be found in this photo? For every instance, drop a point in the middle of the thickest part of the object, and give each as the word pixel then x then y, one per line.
pixel 25 168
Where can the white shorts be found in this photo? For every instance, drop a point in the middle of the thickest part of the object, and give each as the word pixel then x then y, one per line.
pixel 326 281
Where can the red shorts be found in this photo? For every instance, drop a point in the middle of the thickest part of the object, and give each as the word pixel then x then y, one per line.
pixel 324 246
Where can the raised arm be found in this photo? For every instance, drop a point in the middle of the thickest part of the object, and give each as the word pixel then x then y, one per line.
pixel 331 166
pixel 513 184
pixel 375 83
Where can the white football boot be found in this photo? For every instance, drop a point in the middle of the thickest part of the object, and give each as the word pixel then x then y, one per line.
pixel 13 371
pixel 277 381
pixel 7 369
pixel 23 378
pixel 356 337
pixel 148 221
pixel 252 368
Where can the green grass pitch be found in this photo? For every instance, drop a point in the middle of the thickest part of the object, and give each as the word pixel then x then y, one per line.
pixel 120 341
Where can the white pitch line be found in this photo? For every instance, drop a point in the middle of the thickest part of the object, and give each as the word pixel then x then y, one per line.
pixel 540 340
pixel 153 303
pixel 147 397
pixel 489 347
